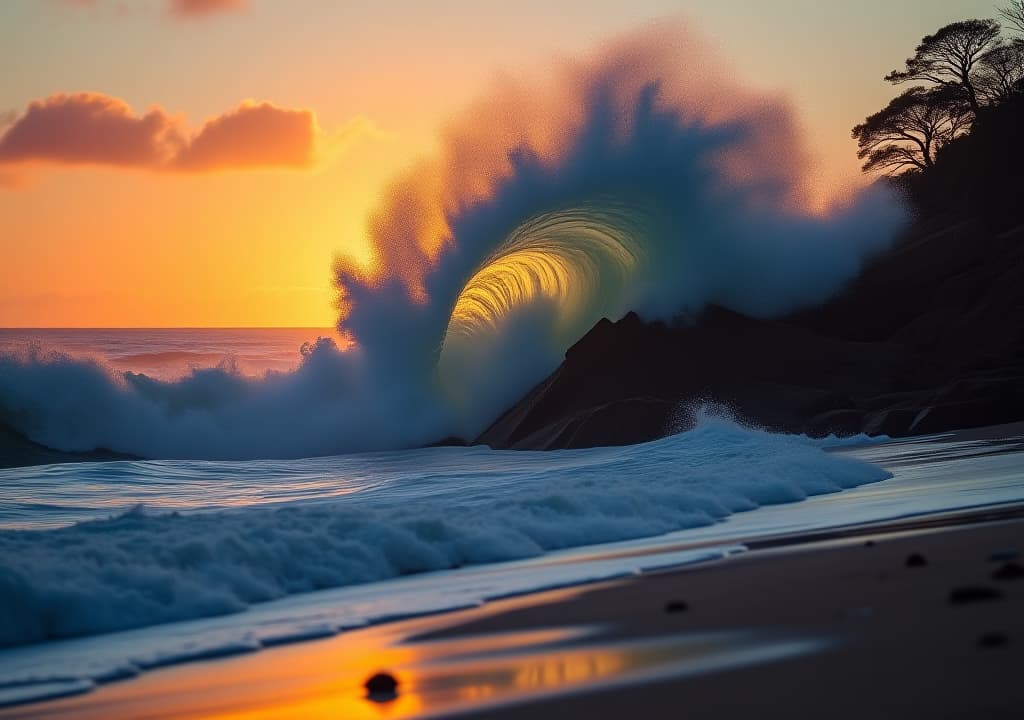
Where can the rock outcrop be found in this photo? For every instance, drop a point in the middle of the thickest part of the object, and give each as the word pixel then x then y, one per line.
pixel 16 450
pixel 929 338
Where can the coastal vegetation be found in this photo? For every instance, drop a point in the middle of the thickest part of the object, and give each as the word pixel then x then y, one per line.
pixel 951 140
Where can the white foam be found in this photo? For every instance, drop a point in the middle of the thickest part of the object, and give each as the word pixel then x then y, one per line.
pixel 931 476
pixel 443 508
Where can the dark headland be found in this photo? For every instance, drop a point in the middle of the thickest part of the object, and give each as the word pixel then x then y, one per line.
pixel 929 338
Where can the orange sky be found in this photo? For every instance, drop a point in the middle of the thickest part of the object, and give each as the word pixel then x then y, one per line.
pixel 225 151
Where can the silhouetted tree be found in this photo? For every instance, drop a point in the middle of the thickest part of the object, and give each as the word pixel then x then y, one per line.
pixel 1013 13
pixel 911 129
pixel 950 57
pixel 1001 71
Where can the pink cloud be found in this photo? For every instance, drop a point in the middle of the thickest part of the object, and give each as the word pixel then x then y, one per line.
pixel 90 128
pixel 194 8
pixel 253 135
pixel 96 129
pixel 178 8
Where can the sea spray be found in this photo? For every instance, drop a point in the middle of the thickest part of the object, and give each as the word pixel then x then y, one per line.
pixel 640 178
pixel 415 511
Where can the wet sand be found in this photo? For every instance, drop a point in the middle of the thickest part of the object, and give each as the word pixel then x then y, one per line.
pixel 920 618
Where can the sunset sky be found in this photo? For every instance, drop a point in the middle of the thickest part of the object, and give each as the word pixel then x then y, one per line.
pixel 200 162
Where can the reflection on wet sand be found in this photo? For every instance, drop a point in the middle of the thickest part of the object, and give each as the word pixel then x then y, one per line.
pixel 437 677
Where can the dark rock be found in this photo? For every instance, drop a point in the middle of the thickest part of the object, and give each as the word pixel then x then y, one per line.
pixel 973 594
pixel 676 606
pixel 895 422
pixel 916 560
pixel 628 381
pixel 16 450
pixel 450 441
pixel 929 339
pixel 623 422
pixel 842 423
pixel 973 413
pixel 382 687
pixel 1009 571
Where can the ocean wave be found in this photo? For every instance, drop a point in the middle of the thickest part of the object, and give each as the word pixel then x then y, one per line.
pixel 142 568
pixel 640 178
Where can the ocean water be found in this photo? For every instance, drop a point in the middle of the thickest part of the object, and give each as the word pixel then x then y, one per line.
pixel 223 558
pixel 171 353
pixel 108 569
pixel 111 546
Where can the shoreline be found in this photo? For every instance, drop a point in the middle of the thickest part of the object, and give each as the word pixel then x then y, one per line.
pixel 633 612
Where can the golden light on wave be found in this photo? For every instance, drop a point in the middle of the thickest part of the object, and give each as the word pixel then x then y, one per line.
pixel 569 258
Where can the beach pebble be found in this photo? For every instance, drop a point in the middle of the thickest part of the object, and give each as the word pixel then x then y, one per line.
pixel 1009 571
pixel 676 606
pixel 382 687
pixel 972 594
pixel 916 560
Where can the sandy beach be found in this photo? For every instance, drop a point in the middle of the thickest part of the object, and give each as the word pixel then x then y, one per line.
pixel 511 360
pixel 919 618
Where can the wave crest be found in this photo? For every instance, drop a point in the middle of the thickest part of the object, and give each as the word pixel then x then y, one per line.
pixel 641 178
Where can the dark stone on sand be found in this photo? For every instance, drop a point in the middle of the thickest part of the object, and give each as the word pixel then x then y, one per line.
pixel 916 560
pixel 676 606
pixel 1009 571
pixel 993 640
pixel 382 687
pixel 869 543
pixel 973 594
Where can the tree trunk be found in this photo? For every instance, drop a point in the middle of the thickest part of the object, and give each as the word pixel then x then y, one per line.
pixel 972 94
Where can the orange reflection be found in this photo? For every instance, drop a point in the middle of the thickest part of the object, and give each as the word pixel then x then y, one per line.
pixel 548 672
pixel 325 679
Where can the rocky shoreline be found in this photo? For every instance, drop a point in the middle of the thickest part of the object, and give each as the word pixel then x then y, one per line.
pixel 930 338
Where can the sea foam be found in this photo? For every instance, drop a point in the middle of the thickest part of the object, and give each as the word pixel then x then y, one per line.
pixel 431 510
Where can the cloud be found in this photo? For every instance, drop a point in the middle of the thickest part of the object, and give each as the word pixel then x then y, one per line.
pixel 95 129
pixel 199 8
pixel 90 128
pixel 176 8
pixel 253 135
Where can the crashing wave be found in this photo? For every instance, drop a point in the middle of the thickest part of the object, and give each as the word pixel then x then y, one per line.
pixel 639 179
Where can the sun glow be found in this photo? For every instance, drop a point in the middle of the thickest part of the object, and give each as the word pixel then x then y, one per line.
pixel 562 257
